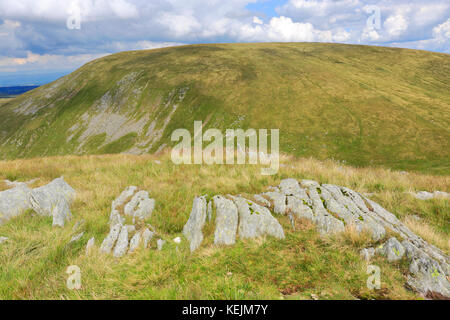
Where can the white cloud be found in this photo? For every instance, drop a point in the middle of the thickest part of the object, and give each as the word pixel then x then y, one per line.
pixel 395 25
pixel 257 20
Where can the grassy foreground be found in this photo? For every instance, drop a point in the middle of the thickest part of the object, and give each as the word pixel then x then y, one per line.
pixel 304 265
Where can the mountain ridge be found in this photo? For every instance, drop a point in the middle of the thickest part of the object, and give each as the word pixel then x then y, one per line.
pixel 366 106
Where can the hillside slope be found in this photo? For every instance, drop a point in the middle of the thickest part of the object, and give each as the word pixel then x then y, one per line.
pixel 364 105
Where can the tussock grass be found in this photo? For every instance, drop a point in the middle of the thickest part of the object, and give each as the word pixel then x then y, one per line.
pixel 33 262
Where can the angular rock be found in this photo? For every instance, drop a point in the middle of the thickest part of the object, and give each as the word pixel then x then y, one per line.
pixel 110 240
pixel 427 276
pixel 90 244
pixel 226 221
pixel 192 230
pixel 147 235
pixel 61 212
pixel 279 201
pixel 124 196
pixel 134 242
pixel 140 206
pixel 14 202
pixel 122 243
pixel 256 221
pixel 44 198
pixel 297 207
pixel 424 195
pixel 392 249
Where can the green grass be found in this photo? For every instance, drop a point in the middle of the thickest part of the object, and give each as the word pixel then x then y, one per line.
pixel 33 262
pixel 367 106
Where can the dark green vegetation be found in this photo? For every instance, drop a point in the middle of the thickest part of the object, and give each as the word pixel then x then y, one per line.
pixel 365 105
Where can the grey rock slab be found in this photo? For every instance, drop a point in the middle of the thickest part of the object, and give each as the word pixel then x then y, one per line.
pixel 297 207
pixel 140 206
pixel 392 249
pixel 61 212
pixel 110 240
pixel 44 198
pixel 426 276
pixel 121 247
pixel 124 196
pixel 256 221
pixel 279 201
pixel 147 236
pixel 192 230
pixel 226 221
pixel 14 202
pixel 134 242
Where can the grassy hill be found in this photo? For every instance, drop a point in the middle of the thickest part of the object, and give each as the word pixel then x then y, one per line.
pixel 34 260
pixel 367 106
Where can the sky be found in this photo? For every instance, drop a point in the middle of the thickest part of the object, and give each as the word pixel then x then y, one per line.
pixel 41 40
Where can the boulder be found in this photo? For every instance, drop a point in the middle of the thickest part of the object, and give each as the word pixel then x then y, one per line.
pixel 140 206
pixel 192 230
pixel 134 242
pixel 44 198
pixel 61 212
pixel 226 221
pixel 110 240
pixel 392 249
pixel 121 247
pixel 256 221
pixel 279 201
pixel 14 202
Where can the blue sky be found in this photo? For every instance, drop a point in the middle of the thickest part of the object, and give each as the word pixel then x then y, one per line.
pixel 43 39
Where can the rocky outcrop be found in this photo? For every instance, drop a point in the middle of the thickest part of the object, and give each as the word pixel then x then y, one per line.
pixel 123 238
pixel 53 200
pixel 235 216
pixel 332 208
pixel 192 230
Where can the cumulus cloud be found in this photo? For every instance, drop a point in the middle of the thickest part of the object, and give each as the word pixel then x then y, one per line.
pixel 37 29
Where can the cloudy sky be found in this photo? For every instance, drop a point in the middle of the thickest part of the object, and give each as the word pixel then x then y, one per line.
pixel 43 39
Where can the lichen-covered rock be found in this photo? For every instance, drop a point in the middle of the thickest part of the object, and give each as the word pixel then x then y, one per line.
pixel 44 198
pixel 192 230
pixel 309 183
pixel 297 207
pixel 14 202
pixel 61 212
pixel 427 276
pixel 392 249
pixel 256 221
pixel 121 247
pixel 110 240
pixel 226 221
